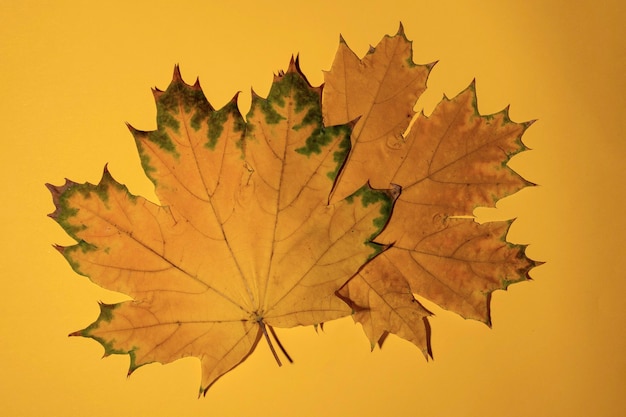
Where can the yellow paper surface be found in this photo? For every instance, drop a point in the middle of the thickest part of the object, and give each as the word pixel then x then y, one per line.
pixel 71 74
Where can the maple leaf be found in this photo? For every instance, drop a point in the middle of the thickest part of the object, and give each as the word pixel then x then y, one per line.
pixel 446 165
pixel 244 239
pixel 320 204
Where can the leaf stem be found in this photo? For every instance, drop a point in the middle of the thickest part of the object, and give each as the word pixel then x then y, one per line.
pixel 269 341
pixel 280 345
pixel 271 345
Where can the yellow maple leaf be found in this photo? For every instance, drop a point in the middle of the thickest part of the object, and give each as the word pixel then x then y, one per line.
pixel 244 238
pixel 446 165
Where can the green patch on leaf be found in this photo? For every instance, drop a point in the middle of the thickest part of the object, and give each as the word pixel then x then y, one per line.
pixel 367 196
pixel 340 155
pixel 166 119
pixel 266 107
pixel 216 122
pixel 370 196
pixel 181 97
pixel 63 216
pixel 107 315
pixel 145 163
pixel 82 246
pixel 314 143
pixel 217 119
pixel 163 140
pixel 305 96
pixel 322 137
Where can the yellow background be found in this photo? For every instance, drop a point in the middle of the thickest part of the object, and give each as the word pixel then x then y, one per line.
pixel 71 74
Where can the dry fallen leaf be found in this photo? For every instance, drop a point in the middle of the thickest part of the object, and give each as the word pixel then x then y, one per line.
pixel 243 240
pixel 309 210
pixel 447 165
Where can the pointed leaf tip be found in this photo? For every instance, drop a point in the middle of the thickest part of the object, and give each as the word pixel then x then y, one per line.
pixel 177 76
pixel 297 63
pixel 431 65
pixel 54 190
pixel 293 64
pixel 57 191
pixel 235 98
pixel 106 174
pixel 400 30
pixel 157 93
pixel 382 339
pixel 134 131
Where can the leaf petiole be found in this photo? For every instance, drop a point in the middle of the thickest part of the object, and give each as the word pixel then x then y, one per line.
pixel 280 345
pixel 271 345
